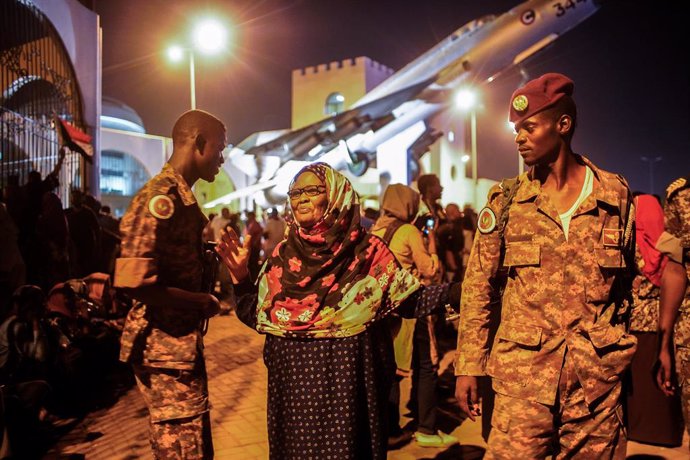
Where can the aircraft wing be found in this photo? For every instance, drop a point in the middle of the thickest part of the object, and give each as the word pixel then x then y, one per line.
pixel 327 133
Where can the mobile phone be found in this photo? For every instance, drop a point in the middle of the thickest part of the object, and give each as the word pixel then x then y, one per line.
pixel 428 225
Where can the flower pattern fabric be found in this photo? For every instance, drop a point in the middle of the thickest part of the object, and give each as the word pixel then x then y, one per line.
pixel 334 279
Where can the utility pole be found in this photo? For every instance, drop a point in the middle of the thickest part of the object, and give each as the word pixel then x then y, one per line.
pixel 651 161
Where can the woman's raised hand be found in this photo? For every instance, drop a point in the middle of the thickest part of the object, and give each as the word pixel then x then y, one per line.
pixel 234 254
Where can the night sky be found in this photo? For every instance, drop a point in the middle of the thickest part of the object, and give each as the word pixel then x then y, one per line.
pixel 630 64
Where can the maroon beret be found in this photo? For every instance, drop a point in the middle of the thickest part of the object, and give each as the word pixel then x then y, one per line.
pixel 539 94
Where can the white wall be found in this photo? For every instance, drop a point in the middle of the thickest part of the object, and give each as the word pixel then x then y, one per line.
pixel 152 151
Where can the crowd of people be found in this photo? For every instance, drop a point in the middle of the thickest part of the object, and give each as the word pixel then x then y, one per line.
pixel 563 291
pixel 58 315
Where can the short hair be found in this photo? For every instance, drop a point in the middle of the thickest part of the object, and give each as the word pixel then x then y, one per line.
pixel 192 123
pixel 425 181
pixel 564 106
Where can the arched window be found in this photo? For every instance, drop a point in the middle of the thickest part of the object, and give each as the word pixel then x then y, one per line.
pixel 335 102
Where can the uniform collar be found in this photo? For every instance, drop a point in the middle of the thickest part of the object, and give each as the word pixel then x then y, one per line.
pixel 601 191
pixel 183 189
pixel 531 188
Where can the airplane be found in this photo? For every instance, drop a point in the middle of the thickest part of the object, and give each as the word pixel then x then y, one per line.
pixel 474 55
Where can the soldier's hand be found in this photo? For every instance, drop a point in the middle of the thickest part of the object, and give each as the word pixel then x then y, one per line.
pixel 664 372
pixel 466 394
pixel 212 307
pixel 234 254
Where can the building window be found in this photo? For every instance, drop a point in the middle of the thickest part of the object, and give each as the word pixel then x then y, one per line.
pixel 334 104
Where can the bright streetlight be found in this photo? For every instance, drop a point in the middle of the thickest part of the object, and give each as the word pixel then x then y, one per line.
pixel 466 99
pixel 208 37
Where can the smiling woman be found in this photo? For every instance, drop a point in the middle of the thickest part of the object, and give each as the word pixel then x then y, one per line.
pixel 308 199
pixel 323 299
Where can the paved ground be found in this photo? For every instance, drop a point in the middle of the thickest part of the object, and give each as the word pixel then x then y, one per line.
pixel 238 393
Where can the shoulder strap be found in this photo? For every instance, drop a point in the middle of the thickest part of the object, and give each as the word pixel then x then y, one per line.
pixel 510 188
pixel 391 230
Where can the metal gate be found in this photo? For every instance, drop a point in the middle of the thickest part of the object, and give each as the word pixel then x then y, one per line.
pixel 37 83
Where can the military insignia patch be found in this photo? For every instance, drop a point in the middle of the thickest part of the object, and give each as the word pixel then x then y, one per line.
pixel 612 237
pixel 161 206
pixel 520 103
pixel 486 222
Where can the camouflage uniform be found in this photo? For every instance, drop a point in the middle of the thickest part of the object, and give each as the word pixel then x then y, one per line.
pixel 561 345
pixel 161 244
pixel 675 243
pixel 644 316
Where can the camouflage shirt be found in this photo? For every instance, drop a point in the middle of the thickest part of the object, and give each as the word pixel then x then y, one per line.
pixel 560 294
pixel 675 243
pixel 644 316
pixel 161 244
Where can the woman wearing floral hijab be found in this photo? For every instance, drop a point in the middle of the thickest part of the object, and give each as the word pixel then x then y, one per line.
pixel 321 299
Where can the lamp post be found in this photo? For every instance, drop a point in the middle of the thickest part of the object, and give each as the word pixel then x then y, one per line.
pixel 466 100
pixel 209 37
pixel 651 161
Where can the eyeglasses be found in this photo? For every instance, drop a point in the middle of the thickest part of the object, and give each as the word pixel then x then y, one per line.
pixel 312 190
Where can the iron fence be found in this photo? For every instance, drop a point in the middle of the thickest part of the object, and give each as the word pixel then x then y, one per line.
pixel 38 82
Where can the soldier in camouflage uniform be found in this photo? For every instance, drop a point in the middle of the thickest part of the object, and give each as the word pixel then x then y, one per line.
pixel 162 268
pixel 675 294
pixel 554 246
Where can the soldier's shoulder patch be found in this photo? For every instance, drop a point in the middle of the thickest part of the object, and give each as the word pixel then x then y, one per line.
pixel 161 207
pixel 675 186
pixel 486 222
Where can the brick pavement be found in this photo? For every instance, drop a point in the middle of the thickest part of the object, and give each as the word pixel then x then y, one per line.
pixel 237 384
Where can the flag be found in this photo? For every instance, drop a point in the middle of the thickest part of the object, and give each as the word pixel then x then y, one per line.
pixel 74 139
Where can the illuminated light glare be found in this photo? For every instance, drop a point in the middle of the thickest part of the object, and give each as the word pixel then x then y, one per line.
pixel 511 126
pixel 465 99
pixel 465 158
pixel 121 124
pixel 451 136
pixel 175 53
pixel 314 151
pixel 210 36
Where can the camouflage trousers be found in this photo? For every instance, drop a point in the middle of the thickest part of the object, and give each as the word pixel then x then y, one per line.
pixel 179 422
pixel 570 429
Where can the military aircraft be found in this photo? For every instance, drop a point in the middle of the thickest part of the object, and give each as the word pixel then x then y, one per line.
pixel 474 55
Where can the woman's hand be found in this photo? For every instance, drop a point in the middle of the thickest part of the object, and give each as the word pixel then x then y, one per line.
pixel 234 255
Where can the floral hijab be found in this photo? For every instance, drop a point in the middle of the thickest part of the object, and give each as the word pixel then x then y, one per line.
pixel 334 279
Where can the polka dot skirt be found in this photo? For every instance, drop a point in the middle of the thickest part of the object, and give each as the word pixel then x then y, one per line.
pixel 327 397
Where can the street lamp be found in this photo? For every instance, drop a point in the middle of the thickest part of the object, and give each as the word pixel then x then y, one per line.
pixel 651 161
pixel 208 37
pixel 466 100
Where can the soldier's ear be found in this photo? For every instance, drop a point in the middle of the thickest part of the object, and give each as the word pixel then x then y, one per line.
pixel 200 143
pixel 564 124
